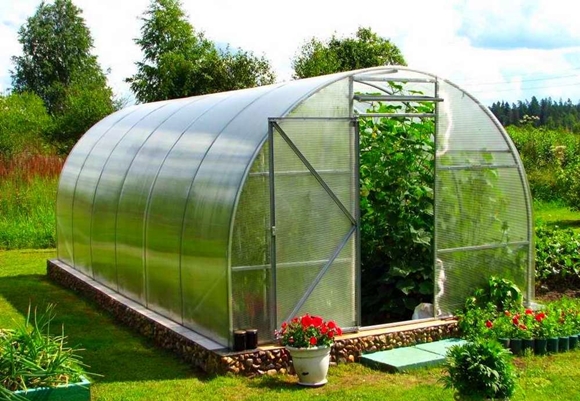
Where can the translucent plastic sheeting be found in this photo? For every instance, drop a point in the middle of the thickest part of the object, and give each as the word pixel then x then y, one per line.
pixel 251 269
pixel 310 226
pixel 68 182
pixel 459 273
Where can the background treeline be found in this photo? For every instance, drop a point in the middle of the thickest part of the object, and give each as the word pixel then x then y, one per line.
pixel 548 113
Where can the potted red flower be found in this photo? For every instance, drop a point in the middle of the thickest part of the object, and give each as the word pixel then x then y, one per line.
pixel 308 340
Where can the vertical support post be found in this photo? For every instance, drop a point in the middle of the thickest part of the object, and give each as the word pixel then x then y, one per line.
pixel 357 242
pixel 273 282
pixel 434 250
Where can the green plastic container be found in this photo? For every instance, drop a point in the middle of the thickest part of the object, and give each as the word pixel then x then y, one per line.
pixel 80 391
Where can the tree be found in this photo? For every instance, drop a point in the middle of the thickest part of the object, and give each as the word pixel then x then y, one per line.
pixel 365 50
pixel 85 102
pixel 56 46
pixel 23 119
pixel 179 62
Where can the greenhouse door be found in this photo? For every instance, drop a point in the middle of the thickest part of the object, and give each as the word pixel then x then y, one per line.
pixel 314 199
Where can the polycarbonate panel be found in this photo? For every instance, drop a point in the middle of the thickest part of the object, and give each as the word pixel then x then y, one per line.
pixel 68 181
pixel 459 273
pixel 250 250
pixel 463 124
pixel 133 200
pixel 479 207
pixel 328 145
pixel 331 101
pixel 88 177
pixel 309 225
pixel 336 294
pixel 108 191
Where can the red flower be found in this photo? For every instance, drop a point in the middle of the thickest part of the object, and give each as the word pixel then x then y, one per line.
pixel 339 331
pixel 515 321
pixel 323 329
pixel 306 320
pixel 523 327
pixel 529 312
pixel 330 334
pixel 316 321
pixel 489 324
pixel 508 313
pixel 332 324
pixel 312 340
pixel 540 316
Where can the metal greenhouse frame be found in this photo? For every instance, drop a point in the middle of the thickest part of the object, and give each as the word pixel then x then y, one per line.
pixel 241 209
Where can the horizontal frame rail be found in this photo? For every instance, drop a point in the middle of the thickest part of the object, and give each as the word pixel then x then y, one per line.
pixel 289 265
pixel 482 247
pixel 298 173
pixel 393 79
pixel 396 98
pixel 476 167
pixel 405 115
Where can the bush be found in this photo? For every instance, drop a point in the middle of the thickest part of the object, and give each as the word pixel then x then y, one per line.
pixel 557 258
pixel 396 180
pixel 23 122
pixel 480 369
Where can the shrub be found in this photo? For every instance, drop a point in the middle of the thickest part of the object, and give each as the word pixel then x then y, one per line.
pixel 557 258
pixel 396 181
pixel 480 369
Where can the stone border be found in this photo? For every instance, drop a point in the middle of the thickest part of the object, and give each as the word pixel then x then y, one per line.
pixel 203 353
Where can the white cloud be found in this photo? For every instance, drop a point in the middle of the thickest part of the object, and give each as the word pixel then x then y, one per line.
pixel 434 36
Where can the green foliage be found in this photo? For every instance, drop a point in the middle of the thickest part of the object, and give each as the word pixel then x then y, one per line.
pixel 87 100
pixel 503 294
pixel 365 50
pixel 552 163
pixel 557 258
pixel 58 66
pixel 56 46
pixel 396 180
pixel 480 369
pixel 32 356
pixel 178 62
pixel 23 121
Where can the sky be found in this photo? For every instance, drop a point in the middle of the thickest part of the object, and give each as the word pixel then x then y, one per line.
pixel 495 49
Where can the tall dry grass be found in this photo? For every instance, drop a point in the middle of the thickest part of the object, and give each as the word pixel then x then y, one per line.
pixel 28 184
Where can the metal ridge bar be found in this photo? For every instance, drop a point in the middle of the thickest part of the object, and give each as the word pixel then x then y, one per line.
pixel 395 98
pixel 483 247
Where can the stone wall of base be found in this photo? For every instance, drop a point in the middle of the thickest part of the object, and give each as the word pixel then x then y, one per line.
pixel 268 360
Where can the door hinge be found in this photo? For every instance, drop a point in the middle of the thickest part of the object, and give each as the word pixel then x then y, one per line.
pixel 273 231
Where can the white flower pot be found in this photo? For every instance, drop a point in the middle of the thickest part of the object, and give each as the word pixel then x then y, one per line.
pixel 310 364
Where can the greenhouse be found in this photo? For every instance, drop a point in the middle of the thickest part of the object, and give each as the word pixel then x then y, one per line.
pixel 242 209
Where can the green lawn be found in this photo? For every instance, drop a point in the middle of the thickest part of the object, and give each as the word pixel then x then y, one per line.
pixel 133 369
pixel 557 214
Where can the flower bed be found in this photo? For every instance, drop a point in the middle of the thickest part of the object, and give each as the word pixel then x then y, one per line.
pixel 553 328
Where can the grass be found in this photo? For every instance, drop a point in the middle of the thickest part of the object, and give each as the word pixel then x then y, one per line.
pixel 133 369
pixel 28 186
pixel 557 214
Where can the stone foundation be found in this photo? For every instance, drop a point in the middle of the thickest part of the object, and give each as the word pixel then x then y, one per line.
pixel 209 356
